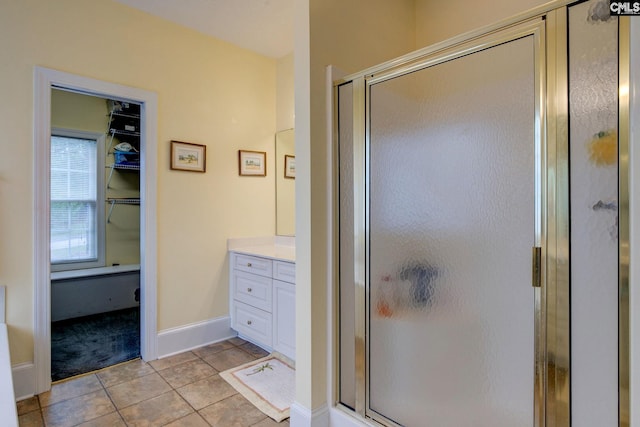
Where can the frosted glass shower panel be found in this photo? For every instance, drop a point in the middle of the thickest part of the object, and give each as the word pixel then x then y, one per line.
pixel 347 261
pixel 451 211
pixel 593 149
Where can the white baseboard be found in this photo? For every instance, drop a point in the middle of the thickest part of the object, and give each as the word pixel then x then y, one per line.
pixel 342 418
pixel 184 338
pixel 24 380
pixel 324 416
pixel 301 416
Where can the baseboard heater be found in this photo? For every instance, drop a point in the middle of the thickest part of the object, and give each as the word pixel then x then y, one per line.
pixel 78 293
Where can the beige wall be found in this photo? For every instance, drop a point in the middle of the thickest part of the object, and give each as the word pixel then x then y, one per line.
pixel 351 36
pixel 285 113
pixel 209 92
pixel 438 21
pixel 70 110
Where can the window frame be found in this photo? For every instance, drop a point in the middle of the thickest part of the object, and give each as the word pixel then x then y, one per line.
pixel 100 236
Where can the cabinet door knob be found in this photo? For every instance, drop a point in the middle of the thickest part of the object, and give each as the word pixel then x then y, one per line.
pixel 249 289
pixel 248 264
pixel 248 322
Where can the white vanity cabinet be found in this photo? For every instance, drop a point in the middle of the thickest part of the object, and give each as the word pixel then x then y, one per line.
pixel 262 300
pixel 284 308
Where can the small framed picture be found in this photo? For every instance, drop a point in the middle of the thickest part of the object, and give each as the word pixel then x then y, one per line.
pixel 252 163
pixel 289 166
pixel 186 156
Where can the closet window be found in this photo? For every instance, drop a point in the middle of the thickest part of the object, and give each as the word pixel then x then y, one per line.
pixel 77 201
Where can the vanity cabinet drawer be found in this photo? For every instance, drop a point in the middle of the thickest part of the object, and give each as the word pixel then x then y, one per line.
pixel 285 271
pixel 252 289
pixel 251 264
pixel 253 323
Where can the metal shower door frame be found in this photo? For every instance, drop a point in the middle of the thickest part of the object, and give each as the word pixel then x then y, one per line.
pixel 536 30
pixel 551 392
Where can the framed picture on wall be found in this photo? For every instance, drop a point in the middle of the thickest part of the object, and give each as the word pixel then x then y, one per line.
pixel 186 156
pixel 289 166
pixel 252 163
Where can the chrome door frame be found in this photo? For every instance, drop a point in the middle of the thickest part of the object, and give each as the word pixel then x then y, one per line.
pixel 624 128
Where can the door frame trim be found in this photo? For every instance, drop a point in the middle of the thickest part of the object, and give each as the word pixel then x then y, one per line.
pixel 44 80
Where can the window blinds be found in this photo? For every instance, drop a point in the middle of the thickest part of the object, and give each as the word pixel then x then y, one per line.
pixel 73 200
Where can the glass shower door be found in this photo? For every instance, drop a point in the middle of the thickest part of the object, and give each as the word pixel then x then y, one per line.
pixel 452 195
pixel 593 147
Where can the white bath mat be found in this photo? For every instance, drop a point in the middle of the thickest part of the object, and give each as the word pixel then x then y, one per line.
pixel 268 383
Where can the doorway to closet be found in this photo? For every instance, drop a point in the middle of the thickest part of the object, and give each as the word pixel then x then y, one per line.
pixel 95 232
pixel 47 80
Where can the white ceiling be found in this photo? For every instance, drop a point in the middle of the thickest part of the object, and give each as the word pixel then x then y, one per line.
pixel 263 26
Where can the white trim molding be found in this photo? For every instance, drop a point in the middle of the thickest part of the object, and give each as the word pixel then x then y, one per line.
pixel 344 418
pixel 304 417
pixel 44 80
pixel 183 338
pixel 24 380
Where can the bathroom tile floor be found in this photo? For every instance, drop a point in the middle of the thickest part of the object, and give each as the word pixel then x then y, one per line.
pixel 184 390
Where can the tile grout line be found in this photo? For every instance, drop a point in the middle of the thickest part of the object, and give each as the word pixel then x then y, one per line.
pixel 110 399
pixel 174 389
pixel 195 411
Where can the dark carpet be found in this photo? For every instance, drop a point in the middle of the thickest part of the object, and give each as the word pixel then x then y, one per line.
pixel 89 343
